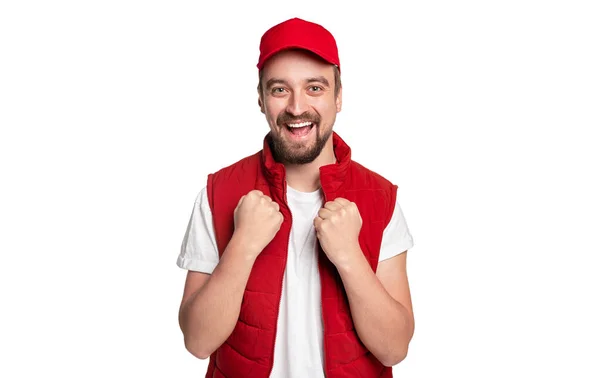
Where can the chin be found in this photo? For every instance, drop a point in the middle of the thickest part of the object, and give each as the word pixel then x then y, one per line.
pixel 290 150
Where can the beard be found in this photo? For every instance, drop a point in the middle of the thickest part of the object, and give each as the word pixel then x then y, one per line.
pixel 295 152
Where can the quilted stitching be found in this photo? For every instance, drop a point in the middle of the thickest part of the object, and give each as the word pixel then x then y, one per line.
pixel 249 349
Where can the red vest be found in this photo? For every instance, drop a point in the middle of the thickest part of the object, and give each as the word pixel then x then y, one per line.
pixel 248 352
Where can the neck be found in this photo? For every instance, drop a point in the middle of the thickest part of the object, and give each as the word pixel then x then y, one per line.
pixel 306 177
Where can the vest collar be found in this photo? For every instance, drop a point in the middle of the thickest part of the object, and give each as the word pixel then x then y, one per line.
pixel 332 175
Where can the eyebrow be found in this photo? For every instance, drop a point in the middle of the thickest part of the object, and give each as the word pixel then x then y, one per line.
pixel 272 82
pixel 318 79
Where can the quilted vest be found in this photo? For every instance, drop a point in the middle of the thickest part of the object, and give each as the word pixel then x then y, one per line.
pixel 249 350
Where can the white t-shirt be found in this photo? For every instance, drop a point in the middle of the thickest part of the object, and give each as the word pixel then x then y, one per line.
pixel 299 339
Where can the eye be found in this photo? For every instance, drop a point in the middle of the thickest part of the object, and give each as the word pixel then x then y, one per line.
pixel 277 90
pixel 315 88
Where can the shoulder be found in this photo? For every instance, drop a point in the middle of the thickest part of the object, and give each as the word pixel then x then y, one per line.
pixel 225 186
pixel 383 190
pixel 367 178
pixel 242 166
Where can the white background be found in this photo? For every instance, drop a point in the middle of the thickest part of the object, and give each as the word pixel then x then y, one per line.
pixel 484 113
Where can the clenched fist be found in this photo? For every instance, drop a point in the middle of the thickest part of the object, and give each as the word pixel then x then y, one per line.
pixel 338 225
pixel 257 219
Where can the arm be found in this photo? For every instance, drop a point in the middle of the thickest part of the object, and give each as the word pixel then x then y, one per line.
pixel 211 303
pixel 206 316
pixel 380 305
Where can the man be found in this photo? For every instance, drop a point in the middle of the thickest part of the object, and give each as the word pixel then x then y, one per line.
pixel 296 255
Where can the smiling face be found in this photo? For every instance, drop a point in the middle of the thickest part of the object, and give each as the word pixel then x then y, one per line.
pixel 298 97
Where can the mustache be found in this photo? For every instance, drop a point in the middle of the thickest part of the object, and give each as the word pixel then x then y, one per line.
pixel 286 117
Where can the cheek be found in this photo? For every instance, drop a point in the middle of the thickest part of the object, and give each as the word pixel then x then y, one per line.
pixel 273 109
pixel 269 112
pixel 273 113
pixel 328 112
pixel 272 118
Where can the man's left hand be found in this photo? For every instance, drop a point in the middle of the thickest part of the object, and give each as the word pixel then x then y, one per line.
pixel 338 225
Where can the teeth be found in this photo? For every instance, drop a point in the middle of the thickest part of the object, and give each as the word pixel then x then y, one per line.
pixel 303 124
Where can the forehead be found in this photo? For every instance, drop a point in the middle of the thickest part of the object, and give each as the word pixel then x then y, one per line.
pixel 296 65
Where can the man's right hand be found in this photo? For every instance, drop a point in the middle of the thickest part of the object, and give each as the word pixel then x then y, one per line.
pixel 207 318
pixel 257 219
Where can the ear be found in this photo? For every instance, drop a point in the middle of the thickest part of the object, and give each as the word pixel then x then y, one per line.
pixel 338 101
pixel 261 104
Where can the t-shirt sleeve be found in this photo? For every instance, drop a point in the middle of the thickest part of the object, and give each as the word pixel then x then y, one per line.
pixel 396 236
pixel 199 250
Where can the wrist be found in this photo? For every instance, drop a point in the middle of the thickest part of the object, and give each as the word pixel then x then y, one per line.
pixel 352 257
pixel 242 248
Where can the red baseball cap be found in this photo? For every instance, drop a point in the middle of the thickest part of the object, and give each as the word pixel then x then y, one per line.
pixel 298 33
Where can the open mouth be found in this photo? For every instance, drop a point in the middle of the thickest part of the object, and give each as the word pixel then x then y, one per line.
pixel 300 129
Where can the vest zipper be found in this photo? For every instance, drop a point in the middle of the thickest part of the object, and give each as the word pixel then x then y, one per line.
pixel 284 272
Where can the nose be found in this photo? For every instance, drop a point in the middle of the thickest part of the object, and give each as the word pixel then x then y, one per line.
pixel 297 104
